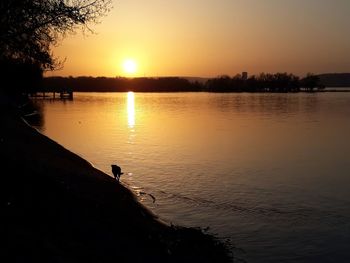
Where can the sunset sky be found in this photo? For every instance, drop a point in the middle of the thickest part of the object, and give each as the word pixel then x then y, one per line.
pixel 206 38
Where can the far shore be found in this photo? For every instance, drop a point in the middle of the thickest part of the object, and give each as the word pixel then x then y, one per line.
pixel 265 83
pixel 58 208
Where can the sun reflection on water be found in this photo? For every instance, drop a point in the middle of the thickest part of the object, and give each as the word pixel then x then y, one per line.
pixel 131 109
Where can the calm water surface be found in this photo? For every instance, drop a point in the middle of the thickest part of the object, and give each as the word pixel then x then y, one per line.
pixel 271 172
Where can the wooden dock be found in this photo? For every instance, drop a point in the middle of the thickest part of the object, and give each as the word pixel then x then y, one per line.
pixel 53 94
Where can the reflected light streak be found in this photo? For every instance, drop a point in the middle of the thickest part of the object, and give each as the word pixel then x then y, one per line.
pixel 131 109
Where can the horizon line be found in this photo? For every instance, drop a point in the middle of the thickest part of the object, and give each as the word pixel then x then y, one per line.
pixel 186 77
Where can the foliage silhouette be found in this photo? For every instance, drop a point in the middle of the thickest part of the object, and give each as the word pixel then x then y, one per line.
pixel 29 29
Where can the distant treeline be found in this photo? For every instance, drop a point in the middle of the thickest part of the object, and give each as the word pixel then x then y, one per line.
pixel 103 84
pixel 335 79
pixel 279 82
pixel 265 82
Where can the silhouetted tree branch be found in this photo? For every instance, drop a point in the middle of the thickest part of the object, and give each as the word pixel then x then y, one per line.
pixel 29 28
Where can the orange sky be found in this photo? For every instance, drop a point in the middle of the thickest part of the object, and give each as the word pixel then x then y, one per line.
pixel 208 38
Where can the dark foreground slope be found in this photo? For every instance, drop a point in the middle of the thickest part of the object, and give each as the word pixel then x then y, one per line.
pixel 56 207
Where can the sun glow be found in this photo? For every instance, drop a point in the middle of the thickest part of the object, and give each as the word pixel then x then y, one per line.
pixel 129 66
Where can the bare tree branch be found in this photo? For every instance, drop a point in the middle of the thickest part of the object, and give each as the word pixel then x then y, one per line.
pixel 29 28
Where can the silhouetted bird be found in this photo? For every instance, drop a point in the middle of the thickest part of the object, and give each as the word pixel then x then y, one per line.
pixel 117 172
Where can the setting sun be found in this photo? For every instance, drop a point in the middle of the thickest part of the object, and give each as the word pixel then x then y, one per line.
pixel 129 66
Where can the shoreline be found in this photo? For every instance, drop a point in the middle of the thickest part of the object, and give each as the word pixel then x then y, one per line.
pixel 59 208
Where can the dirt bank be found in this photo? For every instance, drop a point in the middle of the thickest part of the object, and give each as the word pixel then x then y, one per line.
pixel 56 207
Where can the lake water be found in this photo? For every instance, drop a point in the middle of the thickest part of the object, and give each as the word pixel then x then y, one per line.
pixel 271 172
